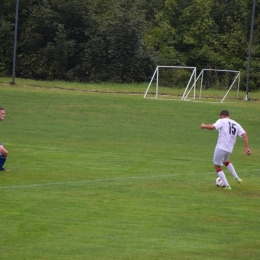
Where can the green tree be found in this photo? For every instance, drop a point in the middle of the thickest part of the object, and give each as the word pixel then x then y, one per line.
pixel 53 35
pixel 122 41
pixel 117 50
pixel 179 31
pixel 254 73
pixel 7 21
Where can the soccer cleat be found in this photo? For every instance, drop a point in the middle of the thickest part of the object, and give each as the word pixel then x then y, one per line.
pixel 238 180
pixel 3 169
pixel 227 188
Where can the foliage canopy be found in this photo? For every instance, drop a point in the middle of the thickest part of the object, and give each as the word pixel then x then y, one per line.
pixel 122 41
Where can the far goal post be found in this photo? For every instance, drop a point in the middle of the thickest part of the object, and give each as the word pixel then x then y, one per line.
pixel 167 78
pixel 216 85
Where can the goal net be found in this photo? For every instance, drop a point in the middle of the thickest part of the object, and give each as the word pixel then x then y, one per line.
pixel 215 85
pixel 168 82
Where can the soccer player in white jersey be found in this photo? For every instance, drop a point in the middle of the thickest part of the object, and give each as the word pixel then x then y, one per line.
pixel 228 130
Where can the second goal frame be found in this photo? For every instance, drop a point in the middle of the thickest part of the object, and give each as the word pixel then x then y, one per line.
pixel 201 78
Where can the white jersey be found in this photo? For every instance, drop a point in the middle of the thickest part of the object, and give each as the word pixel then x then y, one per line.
pixel 228 130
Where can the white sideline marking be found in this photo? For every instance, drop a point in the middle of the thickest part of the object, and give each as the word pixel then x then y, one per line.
pixel 105 179
pixel 90 181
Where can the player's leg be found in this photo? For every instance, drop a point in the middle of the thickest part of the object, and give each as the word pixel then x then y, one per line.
pixel 218 162
pixel 3 151
pixel 222 175
pixel 232 170
pixel 3 156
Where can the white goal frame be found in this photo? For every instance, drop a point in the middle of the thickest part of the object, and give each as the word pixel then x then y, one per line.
pixel 192 78
pixel 201 77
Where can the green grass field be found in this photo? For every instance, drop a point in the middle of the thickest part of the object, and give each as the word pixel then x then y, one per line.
pixel 115 176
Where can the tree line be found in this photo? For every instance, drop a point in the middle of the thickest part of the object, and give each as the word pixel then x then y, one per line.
pixel 123 41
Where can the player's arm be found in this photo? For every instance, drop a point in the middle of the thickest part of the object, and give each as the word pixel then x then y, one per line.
pixel 245 137
pixel 209 127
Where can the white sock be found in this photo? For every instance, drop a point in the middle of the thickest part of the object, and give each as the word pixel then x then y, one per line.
pixel 222 175
pixel 231 168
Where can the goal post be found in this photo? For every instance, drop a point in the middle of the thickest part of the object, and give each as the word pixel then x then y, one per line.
pixel 215 84
pixel 175 77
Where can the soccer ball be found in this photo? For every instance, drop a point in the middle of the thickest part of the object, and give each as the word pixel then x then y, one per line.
pixel 219 182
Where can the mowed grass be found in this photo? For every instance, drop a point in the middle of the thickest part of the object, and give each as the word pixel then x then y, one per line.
pixel 116 176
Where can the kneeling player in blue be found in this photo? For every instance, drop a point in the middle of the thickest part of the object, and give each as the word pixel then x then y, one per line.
pixel 3 151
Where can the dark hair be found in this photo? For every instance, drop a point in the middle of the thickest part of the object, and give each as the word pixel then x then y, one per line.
pixel 224 113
